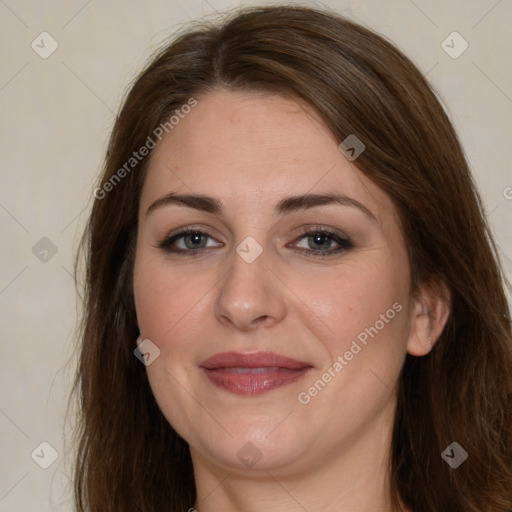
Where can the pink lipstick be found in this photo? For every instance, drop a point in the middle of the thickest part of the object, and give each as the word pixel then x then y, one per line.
pixel 252 374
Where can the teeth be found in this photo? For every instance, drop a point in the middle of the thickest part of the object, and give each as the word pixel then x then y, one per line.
pixel 253 370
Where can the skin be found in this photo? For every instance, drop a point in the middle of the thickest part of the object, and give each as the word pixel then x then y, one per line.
pixel 250 151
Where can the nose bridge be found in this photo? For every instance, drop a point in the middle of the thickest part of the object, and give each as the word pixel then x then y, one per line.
pixel 247 296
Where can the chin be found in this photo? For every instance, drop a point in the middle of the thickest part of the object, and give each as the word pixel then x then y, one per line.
pixel 253 449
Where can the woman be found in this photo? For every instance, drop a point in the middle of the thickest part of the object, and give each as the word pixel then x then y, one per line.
pixel 293 300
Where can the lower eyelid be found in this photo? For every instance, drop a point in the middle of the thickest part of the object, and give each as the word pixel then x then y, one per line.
pixel 344 243
pixel 169 242
pixel 208 237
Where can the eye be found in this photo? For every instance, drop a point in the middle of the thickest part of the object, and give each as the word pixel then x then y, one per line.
pixel 322 242
pixel 316 242
pixel 190 241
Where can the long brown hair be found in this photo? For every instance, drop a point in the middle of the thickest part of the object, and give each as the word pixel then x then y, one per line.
pixel 128 456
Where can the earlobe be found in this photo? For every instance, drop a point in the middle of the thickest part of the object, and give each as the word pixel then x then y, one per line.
pixel 430 313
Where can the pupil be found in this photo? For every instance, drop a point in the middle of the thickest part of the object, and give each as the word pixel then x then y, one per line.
pixel 195 241
pixel 320 240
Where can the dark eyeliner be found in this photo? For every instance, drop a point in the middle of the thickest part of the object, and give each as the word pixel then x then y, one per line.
pixel 344 243
pixel 166 243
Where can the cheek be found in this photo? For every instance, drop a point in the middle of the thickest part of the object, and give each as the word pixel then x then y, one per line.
pixel 166 299
pixel 367 302
pixel 366 313
pixel 169 309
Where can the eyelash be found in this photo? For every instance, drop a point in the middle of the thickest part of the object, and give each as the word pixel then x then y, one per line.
pixel 344 243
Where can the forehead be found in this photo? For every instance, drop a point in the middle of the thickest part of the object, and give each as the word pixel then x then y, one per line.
pixel 249 147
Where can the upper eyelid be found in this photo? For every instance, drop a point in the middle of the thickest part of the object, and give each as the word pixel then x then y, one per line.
pixel 183 232
pixel 305 231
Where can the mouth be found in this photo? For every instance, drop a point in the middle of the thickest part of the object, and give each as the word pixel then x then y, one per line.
pixel 252 374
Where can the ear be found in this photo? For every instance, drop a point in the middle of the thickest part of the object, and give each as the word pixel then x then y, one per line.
pixel 430 312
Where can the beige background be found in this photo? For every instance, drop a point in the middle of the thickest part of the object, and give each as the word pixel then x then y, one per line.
pixel 56 117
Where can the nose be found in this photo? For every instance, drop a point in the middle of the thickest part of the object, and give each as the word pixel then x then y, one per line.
pixel 250 296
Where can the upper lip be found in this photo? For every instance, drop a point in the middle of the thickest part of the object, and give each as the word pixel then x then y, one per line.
pixel 252 360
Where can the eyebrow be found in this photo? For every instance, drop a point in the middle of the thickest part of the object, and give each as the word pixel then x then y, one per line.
pixel 289 204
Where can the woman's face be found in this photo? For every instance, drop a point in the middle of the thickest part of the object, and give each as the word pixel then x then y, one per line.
pixel 293 274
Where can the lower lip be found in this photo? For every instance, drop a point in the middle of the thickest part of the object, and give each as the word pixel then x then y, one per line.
pixel 247 383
